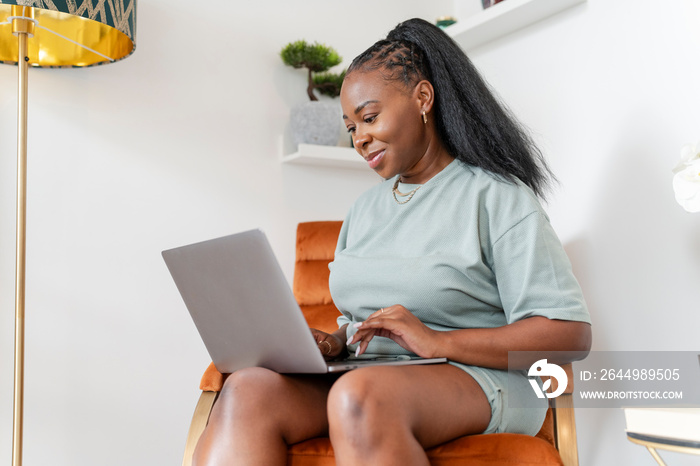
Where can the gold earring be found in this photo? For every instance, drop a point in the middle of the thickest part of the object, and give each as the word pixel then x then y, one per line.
pixel 425 118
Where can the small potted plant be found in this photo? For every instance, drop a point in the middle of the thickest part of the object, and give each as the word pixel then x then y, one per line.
pixel 316 121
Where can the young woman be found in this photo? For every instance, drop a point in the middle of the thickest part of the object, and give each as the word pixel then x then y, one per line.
pixel 452 256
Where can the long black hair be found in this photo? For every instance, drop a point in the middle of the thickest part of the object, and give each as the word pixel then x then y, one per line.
pixel 472 124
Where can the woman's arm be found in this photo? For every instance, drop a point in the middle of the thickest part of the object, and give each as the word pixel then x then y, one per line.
pixel 489 347
pixel 485 347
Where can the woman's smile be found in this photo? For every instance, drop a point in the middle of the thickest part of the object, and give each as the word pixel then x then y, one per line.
pixel 374 158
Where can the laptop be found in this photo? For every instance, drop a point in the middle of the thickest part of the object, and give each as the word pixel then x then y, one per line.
pixel 245 311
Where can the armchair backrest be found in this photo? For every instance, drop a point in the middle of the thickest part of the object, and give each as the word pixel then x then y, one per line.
pixel 315 248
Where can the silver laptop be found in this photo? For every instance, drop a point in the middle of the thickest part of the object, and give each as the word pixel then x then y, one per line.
pixel 246 312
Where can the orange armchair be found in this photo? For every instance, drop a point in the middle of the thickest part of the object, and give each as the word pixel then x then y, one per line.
pixel 555 444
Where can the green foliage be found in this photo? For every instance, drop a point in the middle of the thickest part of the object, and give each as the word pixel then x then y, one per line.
pixel 317 58
pixel 329 83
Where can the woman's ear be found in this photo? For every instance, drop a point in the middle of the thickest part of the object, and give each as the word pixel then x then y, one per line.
pixel 425 95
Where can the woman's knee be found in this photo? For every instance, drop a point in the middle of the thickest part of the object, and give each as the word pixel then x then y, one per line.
pixel 262 401
pixel 357 404
pixel 250 389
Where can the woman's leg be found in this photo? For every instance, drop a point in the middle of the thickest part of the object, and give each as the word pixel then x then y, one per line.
pixel 258 413
pixel 388 415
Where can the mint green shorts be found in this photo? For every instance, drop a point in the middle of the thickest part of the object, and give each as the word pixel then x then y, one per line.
pixel 499 388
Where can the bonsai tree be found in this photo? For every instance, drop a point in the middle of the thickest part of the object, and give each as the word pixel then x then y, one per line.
pixel 317 59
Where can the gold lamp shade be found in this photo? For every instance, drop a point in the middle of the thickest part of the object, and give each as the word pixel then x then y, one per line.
pixel 68 33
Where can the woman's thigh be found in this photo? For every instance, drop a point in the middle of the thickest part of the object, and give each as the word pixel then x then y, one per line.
pixel 436 402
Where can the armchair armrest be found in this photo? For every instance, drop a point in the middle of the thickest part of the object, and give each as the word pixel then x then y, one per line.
pixel 200 418
pixel 212 380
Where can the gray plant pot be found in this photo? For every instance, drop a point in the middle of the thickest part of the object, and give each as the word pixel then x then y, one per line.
pixel 316 123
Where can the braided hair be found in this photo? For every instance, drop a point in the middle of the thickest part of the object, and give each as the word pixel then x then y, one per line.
pixel 474 127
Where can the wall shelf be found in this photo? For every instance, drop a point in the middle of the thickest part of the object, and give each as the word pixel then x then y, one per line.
pixel 502 19
pixel 326 156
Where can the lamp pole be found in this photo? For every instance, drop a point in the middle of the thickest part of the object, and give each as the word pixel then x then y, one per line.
pixel 22 28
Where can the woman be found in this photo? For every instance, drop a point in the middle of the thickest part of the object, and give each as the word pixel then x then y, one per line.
pixel 452 256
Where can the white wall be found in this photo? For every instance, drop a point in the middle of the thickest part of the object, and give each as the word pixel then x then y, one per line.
pixel 610 89
pixel 181 142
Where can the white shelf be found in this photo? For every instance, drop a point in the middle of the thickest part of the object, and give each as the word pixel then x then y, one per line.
pixel 502 19
pixel 326 156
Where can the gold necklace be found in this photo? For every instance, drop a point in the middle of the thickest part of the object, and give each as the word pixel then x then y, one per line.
pixel 395 191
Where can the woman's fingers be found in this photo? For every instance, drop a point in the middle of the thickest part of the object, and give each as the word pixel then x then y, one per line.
pixel 399 324
pixel 364 342
pixel 364 336
pixel 325 347
pixel 361 337
pixel 328 344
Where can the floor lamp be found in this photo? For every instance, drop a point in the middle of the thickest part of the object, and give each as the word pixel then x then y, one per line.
pixel 52 34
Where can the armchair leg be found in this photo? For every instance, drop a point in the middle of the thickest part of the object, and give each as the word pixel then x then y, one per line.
pixel 565 429
pixel 200 418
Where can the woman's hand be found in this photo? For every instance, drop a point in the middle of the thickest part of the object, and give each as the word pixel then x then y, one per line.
pixel 399 324
pixel 330 344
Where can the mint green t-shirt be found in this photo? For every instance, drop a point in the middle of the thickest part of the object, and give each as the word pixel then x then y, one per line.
pixel 468 250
